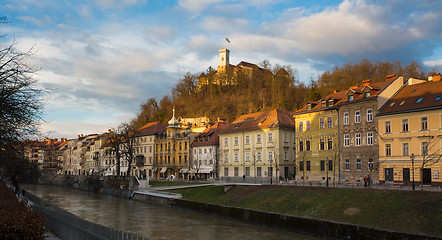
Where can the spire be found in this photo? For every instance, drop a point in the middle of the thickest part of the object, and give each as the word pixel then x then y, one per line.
pixel 173 121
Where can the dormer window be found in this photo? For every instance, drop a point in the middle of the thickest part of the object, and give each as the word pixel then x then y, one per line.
pixel 330 102
pixel 350 97
pixel 367 94
pixel 324 103
pixel 309 106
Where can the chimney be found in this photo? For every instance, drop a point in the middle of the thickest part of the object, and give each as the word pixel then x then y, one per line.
pixel 335 91
pixel 366 82
pixel 78 136
pixel 109 131
pixel 390 76
pixel 81 135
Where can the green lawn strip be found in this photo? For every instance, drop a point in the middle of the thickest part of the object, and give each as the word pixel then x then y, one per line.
pixel 399 210
pixel 172 183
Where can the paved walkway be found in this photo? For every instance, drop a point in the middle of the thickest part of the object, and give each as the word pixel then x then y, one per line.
pixel 51 236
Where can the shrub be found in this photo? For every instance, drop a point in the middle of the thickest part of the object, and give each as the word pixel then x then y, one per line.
pixel 17 219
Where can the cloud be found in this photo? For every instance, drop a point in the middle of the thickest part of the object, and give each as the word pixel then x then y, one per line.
pixel 196 5
pixel 434 63
pixel 43 21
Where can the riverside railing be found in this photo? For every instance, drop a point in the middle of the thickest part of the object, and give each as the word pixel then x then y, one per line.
pixel 67 226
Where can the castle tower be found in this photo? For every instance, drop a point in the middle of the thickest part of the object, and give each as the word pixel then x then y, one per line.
pixel 223 59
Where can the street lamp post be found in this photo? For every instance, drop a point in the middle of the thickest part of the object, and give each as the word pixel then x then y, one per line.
pixel 327 163
pixel 412 167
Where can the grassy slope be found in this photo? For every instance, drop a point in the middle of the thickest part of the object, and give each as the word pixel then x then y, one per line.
pixel 399 210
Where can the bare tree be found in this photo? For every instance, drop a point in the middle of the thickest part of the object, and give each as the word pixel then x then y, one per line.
pixel 128 144
pixel 20 107
pixel 431 154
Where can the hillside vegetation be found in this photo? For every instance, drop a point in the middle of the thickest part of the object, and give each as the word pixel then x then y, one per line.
pixel 264 92
pixel 408 211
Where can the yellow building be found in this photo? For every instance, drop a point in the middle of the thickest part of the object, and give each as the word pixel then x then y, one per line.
pixel 410 134
pixel 317 148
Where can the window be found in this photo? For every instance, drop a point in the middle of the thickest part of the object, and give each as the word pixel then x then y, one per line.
pixel 346 118
pixel 347 164
pixel 258 156
pixel 424 148
pixel 405 149
pixel 308 165
pixel 258 138
pixel 369 115
pixel 247 139
pixel 226 172
pixel 270 171
pixel 236 171
pixel 226 141
pixel 358 164
pixel 357 116
pixel 387 127
pixel 387 149
pixel 270 137
pixel 307 145
pixel 370 138
pixel 419 100
pixel 438 98
pixel 270 156
pixel 301 165
pixel 322 165
pixel 330 165
pixel 424 123
pixel 346 140
pixel 308 125
pixel 330 143
pixel 330 122
pixel 226 158
pixel 322 144
pixel 247 171
pixel 370 164
pixel 350 97
pixel 301 126
pixel 236 140
pixel 301 146
pixel 247 156
pixel 236 157
pixel 258 172
pixel 367 94
pixel 358 139
pixel 405 125
pixel 321 123
pixel 150 149
pixel 286 156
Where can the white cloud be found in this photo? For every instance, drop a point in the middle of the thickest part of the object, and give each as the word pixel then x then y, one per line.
pixel 434 63
pixel 196 5
pixel 45 20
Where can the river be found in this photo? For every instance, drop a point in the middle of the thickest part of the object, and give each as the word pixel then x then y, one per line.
pixel 154 221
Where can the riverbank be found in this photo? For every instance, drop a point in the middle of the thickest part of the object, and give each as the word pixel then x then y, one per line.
pixel 406 211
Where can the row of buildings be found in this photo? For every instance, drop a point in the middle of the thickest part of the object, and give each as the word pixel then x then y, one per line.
pixel 388 132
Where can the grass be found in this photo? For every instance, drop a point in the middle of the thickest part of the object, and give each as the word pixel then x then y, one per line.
pixel 409 211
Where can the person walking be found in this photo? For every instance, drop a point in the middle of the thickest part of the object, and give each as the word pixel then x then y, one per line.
pixel 365 181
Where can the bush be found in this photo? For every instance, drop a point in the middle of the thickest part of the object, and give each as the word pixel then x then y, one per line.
pixel 17 219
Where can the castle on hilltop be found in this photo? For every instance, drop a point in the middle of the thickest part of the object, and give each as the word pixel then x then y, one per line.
pixel 229 75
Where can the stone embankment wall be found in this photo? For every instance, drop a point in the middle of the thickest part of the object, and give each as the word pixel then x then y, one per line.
pixel 117 186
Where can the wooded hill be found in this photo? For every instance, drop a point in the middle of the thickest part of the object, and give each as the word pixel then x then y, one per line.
pixel 265 92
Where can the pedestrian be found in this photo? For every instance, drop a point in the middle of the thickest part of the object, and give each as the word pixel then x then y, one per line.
pixel 368 181
pixel 365 181
pixel 243 178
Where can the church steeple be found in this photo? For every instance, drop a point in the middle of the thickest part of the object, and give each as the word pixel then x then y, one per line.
pixel 173 121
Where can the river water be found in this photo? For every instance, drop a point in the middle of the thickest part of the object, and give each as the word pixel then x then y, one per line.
pixel 154 221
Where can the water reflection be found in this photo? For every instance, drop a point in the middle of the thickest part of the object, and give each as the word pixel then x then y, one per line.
pixel 153 221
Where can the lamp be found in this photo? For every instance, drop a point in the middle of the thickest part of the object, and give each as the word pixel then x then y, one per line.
pixel 412 167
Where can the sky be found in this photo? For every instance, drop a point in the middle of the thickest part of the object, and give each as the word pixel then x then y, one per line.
pixel 101 59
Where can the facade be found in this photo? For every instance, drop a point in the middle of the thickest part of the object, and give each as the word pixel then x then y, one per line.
pixel 317 140
pixel 172 151
pixel 410 134
pixel 258 147
pixel 46 154
pixel 358 129
pixel 204 148
pixel 145 148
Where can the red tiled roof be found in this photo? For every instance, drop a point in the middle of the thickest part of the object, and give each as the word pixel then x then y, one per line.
pixel 259 120
pixel 417 97
pixel 210 135
pixel 151 128
pixel 338 98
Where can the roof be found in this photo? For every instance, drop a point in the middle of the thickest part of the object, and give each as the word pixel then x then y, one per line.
pixel 374 88
pixel 210 135
pixel 260 120
pixel 338 98
pixel 151 129
pixel 417 97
